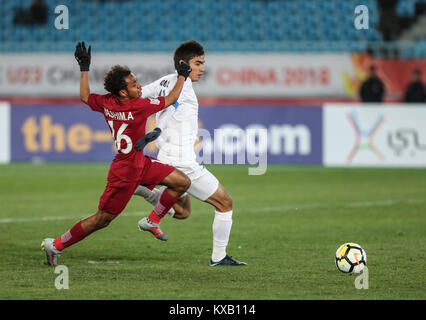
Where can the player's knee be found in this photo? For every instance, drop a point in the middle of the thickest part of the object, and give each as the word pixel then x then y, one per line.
pixel 186 214
pixel 102 219
pixel 102 224
pixel 178 182
pixel 226 202
pixel 187 183
pixel 184 184
pixel 182 214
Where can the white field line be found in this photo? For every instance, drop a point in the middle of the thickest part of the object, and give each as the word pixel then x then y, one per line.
pixel 104 262
pixel 294 207
pixel 56 218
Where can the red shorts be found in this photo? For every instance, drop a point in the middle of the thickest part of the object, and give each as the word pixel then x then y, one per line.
pixel 118 192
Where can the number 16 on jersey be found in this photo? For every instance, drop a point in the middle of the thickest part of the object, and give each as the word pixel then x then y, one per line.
pixel 121 136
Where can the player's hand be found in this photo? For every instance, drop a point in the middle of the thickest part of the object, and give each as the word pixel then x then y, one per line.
pixel 83 56
pixel 184 69
pixel 150 136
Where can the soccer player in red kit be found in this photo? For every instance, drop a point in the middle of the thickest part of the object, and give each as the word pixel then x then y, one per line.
pixel 126 114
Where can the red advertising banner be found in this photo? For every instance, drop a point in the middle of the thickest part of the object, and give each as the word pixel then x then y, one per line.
pixel 395 73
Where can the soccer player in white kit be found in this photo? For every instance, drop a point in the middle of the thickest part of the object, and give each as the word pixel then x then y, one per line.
pixel 179 132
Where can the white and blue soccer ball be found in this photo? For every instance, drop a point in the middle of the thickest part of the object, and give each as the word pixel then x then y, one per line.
pixel 350 258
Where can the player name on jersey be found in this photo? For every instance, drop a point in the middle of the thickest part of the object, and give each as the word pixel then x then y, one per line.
pixel 119 115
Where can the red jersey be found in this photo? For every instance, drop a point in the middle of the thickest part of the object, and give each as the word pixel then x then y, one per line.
pixel 127 122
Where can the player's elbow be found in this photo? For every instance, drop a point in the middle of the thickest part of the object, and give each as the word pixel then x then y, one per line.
pixel 84 98
pixel 170 100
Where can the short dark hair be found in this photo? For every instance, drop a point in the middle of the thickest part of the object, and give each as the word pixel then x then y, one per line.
pixel 114 80
pixel 188 50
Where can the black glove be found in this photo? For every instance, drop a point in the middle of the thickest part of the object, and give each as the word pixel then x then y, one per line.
pixel 150 136
pixel 83 56
pixel 183 69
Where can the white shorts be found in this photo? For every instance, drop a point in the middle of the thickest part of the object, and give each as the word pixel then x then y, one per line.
pixel 203 182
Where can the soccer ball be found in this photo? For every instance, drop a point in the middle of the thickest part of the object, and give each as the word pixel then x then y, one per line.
pixel 350 258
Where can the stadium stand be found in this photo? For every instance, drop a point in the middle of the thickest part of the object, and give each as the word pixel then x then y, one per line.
pixel 293 26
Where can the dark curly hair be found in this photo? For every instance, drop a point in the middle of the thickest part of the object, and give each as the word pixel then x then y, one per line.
pixel 114 80
pixel 187 50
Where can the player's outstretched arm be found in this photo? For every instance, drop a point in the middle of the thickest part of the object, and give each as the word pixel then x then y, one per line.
pixel 183 71
pixel 83 58
pixel 84 87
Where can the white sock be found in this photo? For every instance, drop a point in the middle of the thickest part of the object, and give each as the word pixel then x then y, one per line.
pixel 152 196
pixel 142 191
pixel 222 224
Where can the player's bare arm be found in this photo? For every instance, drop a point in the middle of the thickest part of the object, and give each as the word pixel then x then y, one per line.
pixel 84 87
pixel 183 71
pixel 83 58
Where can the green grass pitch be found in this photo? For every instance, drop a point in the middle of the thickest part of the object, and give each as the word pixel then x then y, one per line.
pixel 287 225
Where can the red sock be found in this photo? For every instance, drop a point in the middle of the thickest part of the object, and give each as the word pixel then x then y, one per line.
pixel 163 206
pixel 75 234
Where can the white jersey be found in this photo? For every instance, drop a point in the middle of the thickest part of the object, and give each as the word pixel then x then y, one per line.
pixel 179 133
pixel 177 139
